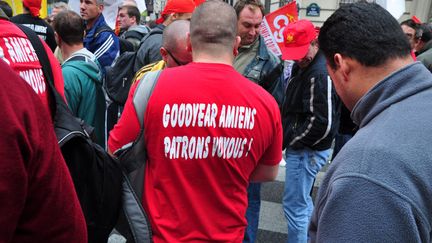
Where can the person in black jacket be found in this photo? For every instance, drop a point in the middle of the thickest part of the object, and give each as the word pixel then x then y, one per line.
pixel 30 18
pixel 310 116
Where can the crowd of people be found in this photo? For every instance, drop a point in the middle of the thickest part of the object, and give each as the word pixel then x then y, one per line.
pixel 219 118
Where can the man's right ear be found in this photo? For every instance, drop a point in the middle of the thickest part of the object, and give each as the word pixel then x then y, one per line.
pixel 164 54
pixel 57 39
pixel 236 45
pixel 343 66
pixel 188 43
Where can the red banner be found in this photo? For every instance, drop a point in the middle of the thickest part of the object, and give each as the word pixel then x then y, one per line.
pixel 274 24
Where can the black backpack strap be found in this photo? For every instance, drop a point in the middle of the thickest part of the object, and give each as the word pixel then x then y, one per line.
pixel 152 32
pixel 44 61
pixel 134 34
pixel 40 52
pixel 133 157
pixel 103 28
pixel 83 57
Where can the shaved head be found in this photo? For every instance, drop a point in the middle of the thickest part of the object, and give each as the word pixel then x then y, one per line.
pixel 175 35
pixel 213 27
pixel 174 48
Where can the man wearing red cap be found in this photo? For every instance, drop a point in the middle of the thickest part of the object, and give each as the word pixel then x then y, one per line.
pixel 31 19
pixel 310 116
pixel 151 44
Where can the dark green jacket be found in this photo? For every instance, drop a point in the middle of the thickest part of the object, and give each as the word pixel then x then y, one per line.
pixel 83 90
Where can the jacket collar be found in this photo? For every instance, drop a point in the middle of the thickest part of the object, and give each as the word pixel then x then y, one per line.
pixel 3 15
pixel 399 85
pixel 99 21
pixel 263 52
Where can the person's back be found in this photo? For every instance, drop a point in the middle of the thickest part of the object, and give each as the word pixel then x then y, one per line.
pixel 378 188
pixel 387 162
pixel 208 132
pixel 31 19
pixel 19 54
pixel 82 73
pixel 39 203
pixel 208 145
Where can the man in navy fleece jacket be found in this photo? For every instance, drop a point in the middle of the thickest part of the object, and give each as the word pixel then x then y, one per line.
pixel 379 186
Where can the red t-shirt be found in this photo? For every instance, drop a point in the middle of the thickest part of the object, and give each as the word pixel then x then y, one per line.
pixel 17 51
pixel 206 128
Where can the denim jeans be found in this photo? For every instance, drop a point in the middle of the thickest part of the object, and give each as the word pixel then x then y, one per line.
pixel 302 166
pixel 252 212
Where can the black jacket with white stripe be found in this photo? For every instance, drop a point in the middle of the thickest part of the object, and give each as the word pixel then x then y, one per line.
pixel 311 109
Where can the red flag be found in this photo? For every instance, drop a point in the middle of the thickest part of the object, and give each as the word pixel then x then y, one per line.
pixel 117 23
pixel 274 24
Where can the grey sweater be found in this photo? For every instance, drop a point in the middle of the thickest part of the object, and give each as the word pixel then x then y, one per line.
pixel 379 187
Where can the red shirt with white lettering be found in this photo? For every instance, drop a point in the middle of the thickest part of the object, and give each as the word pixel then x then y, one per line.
pixel 17 51
pixel 206 128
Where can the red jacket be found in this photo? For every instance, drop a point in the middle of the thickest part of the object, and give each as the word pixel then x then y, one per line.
pixel 16 50
pixel 38 199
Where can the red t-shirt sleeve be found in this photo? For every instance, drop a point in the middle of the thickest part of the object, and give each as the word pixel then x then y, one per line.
pixel 127 128
pixel 273 153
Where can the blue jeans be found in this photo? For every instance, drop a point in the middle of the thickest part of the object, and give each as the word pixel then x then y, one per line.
pixel 302 166
pixel 252 212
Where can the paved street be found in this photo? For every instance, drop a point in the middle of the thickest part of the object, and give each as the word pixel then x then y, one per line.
pixel 272 225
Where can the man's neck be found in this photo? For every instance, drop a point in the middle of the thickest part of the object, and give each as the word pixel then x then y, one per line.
pixel 131 26
pixel 249 45
pixel 206 58
pixel 365 78
pixel 91 23
pixel 68 50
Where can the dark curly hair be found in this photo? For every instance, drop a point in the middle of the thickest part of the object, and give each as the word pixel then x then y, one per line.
pixel 365 32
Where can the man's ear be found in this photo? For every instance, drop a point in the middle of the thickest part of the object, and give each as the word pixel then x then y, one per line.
pixel 57 39
pixel 188 43
pixel 101 7
pixel 236 45
pixel 343 64
pixel 164 54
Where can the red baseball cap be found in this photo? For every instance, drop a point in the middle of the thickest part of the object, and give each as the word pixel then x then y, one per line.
pixel 33 5
pixel 176 6
pixel 297 38
pixel 198 2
